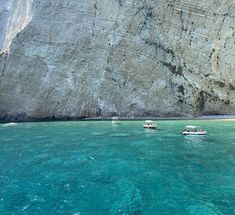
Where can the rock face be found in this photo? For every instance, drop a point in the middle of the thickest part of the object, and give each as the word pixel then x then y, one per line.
pixel 77 58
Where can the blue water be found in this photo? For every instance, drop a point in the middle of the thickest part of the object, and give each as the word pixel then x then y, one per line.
pixel 86 168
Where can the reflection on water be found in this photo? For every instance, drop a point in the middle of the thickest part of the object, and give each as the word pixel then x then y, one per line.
pixel 195 141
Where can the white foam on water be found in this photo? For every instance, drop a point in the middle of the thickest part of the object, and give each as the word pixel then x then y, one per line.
pixel 25 207
pixel 120 135
pixel 92 158
pixel 10 124
pixel 97 133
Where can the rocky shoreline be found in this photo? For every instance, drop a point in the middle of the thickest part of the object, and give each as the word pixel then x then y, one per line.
pixel 209 117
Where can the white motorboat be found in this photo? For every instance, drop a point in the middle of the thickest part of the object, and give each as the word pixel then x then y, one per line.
pixel 115 120
pixel 149 124
pixel 194 130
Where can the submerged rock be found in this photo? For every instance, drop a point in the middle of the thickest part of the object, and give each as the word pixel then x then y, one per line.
pixel 71 59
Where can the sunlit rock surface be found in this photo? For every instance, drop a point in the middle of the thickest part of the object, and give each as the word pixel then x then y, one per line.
pixel 77 58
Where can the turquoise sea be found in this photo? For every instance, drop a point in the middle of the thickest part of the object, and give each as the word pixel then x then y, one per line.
pixel 95 167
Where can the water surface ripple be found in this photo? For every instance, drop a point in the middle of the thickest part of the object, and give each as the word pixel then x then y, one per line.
pixel 86 168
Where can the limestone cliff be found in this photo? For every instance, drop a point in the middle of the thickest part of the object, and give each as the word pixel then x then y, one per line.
pixel 79 58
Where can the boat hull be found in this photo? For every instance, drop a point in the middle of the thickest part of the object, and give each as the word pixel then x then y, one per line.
pixel 150 127
pixel 193 133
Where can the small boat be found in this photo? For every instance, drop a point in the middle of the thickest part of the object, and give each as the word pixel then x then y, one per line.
pixel 194 130
pixel 10 124
pixel 115 120
pixel 149 124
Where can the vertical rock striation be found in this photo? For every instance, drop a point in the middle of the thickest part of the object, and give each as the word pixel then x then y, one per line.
pixel 14 17
pixel 76 58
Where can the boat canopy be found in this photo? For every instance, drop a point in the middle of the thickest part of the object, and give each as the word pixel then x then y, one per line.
pixel 114 118
pixel 192 126
pixel 148 121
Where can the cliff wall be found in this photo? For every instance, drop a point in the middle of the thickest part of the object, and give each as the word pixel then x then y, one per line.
pixel 77 58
